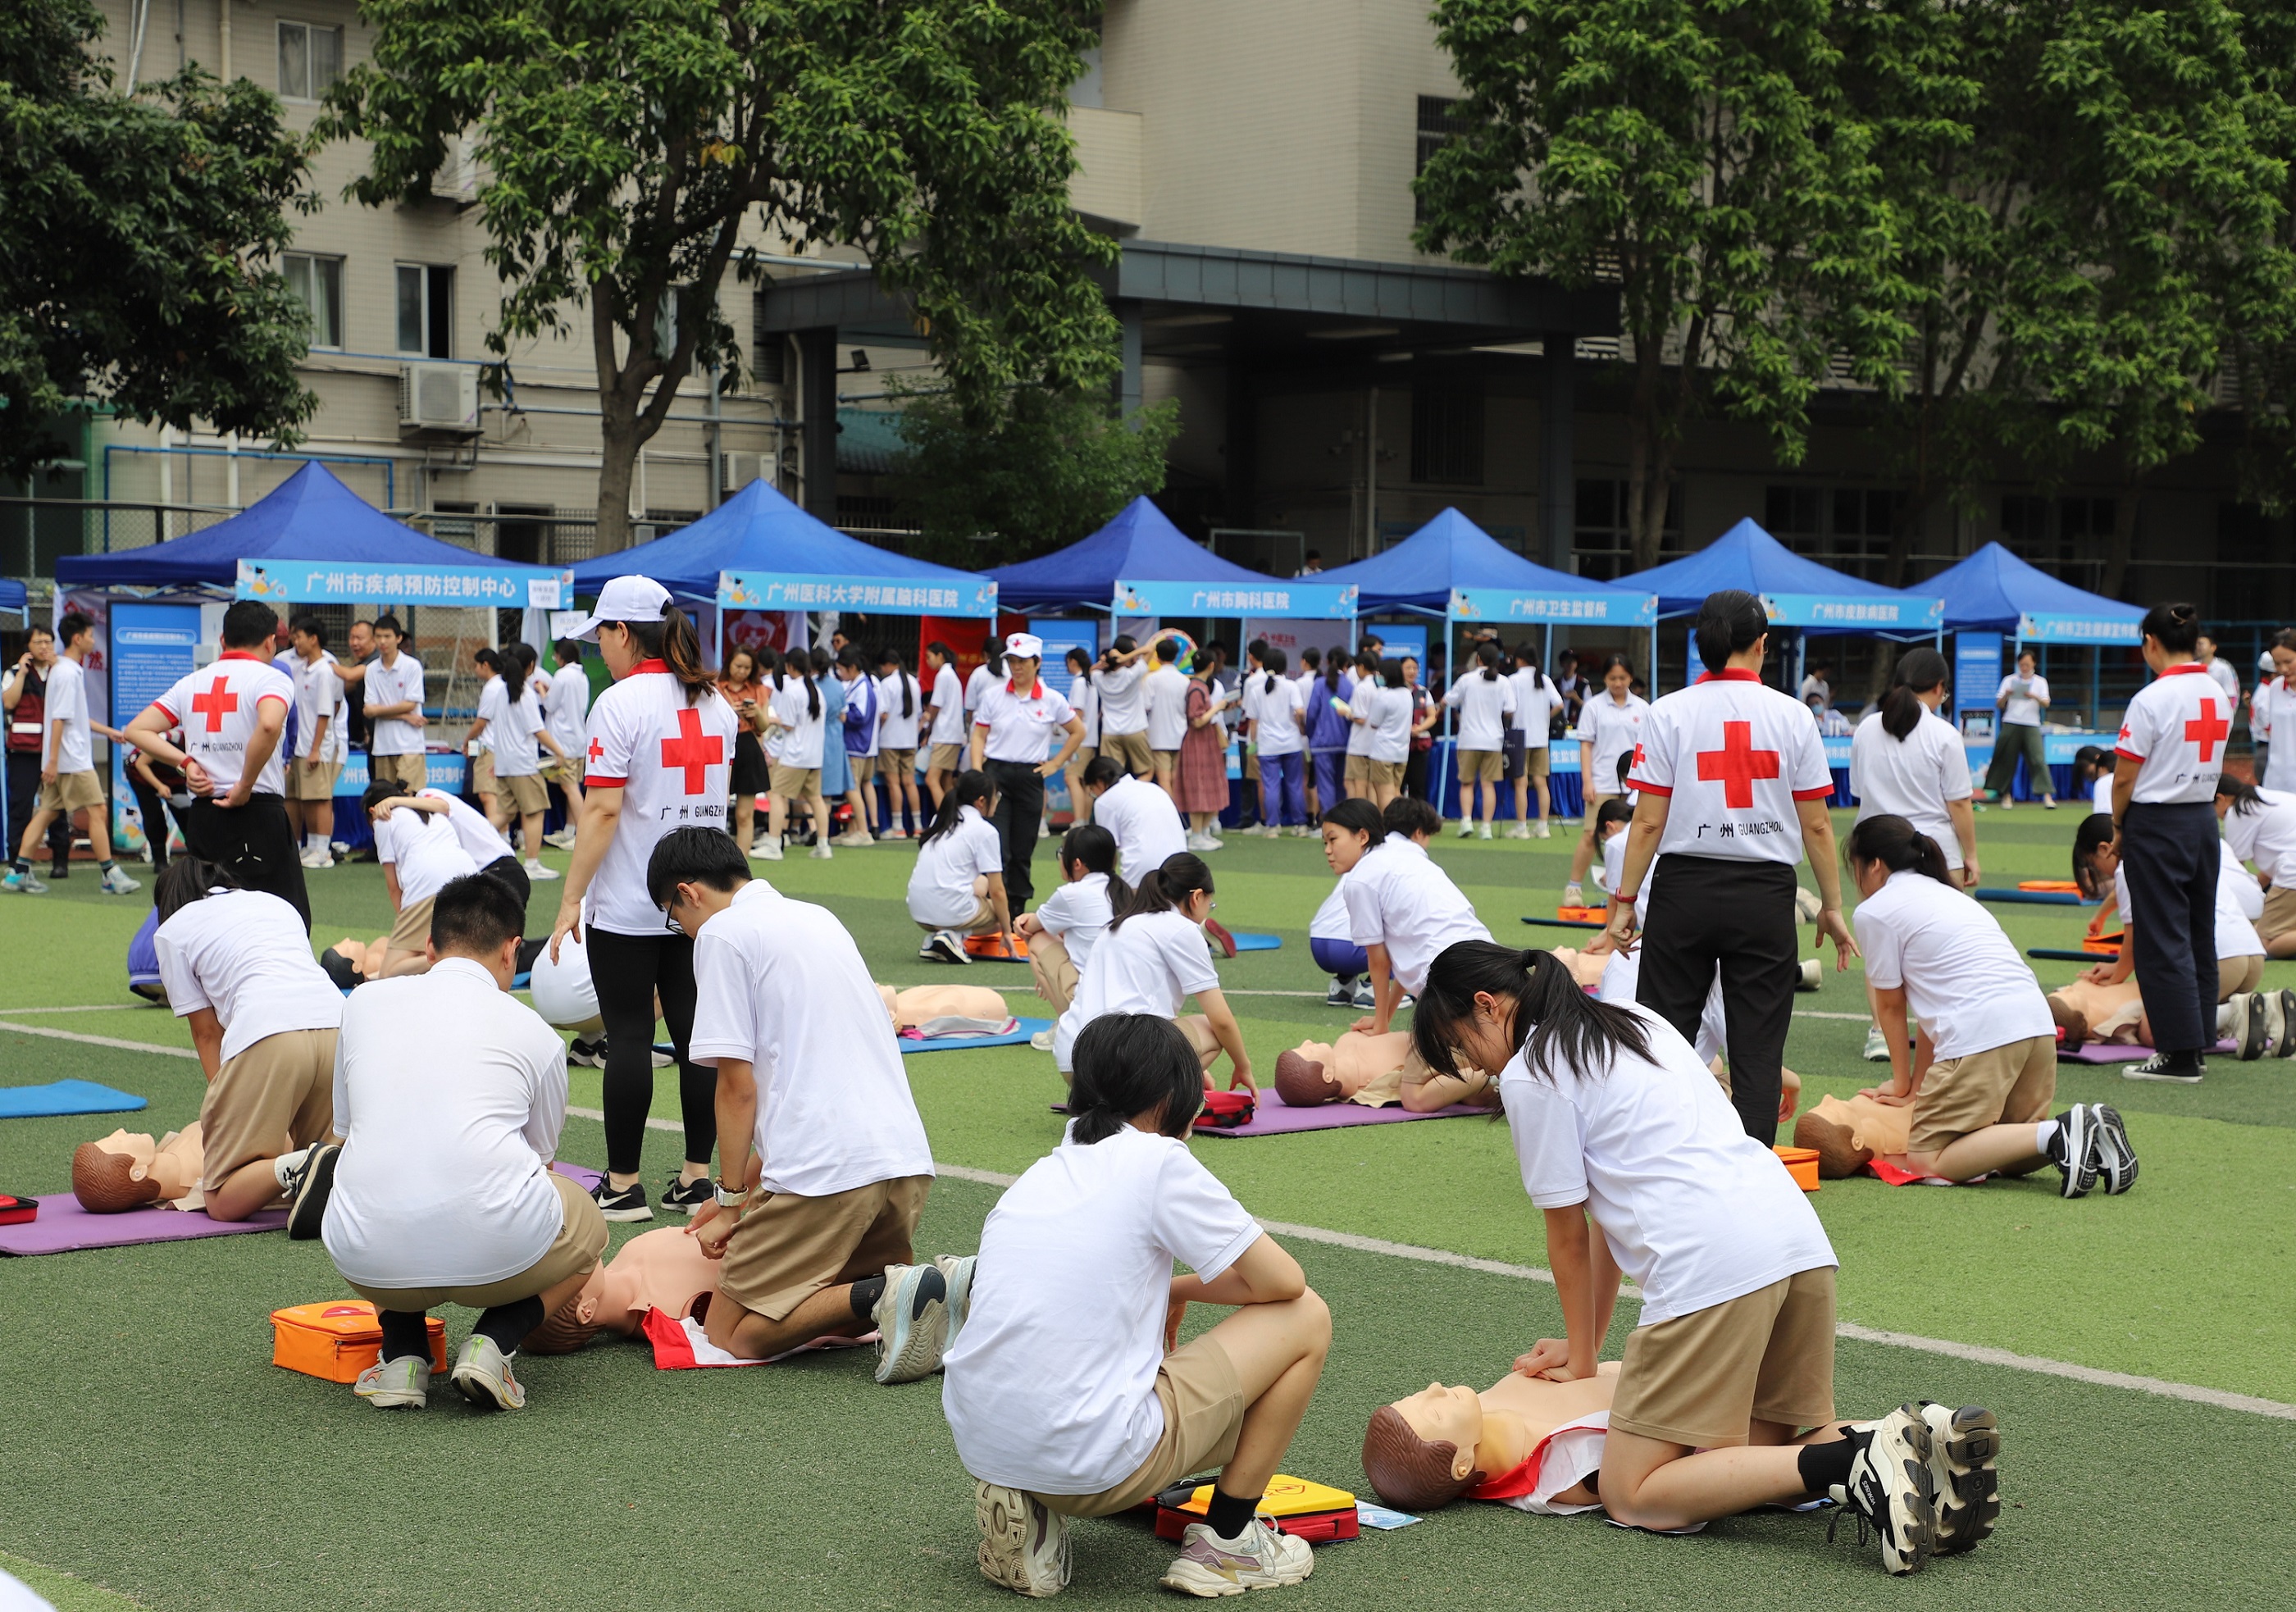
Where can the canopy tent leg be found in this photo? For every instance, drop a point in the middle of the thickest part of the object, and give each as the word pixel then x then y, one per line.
pixel 2095 683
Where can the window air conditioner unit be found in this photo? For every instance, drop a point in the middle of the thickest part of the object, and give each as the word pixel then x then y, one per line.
pixel 438 397
pixel 737 470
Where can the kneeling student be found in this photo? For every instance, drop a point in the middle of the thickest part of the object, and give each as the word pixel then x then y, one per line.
pixel 1068 923
pixel 823 1246
pixel 238 965
pixel 451 1093
pixel 1639 1164
pixel 1068 1391
pixel 956 886
pixel 421 855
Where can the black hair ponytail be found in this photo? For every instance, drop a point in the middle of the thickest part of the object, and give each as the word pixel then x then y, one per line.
pixel 2177 626
pixel 1129 1064
pixel 796 667
pixel 969 789
pixel 1358 815
pixel 1489 654
pixel 185 880
pixel 2092 836
pixel 2245 800
pixel 1274 662
pixel 1163 889
pixel 1900 846
pixel 1335 667
pixel 1078 660
pixel 1092 848
pixel 1555 1024
pixel 1917 673
pixel 673 642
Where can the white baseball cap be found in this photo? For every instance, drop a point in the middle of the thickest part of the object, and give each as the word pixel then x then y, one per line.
pixel 1028 646
pixel 624 599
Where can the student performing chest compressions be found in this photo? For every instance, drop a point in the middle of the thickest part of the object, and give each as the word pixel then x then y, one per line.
pixel 1070 922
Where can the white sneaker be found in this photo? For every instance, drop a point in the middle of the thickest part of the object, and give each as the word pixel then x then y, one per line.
pixel 1573 895
pixel 661 1060
pixel 317 859
pixel 538 873
pixel 1200 843
pixel 1261 1559
pixel 1518 831
pixel 1024 1543
pixel 1890 1489
pixel 1877 1045
pixel 821 853
pixel 765 850
pixel 1042 1041
pixel 393 1385
pixel 564 839
pixel 1466 827
pixel 482 1372
pixel 1538 830
pixel 117 883
pixel 1484 832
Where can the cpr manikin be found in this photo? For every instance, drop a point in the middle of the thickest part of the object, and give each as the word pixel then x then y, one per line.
pixel 128 1170
pixel 947 1010
pixel 1850 1132
pixel 1524 1440
pixel 1358 1067
pixel 662 1270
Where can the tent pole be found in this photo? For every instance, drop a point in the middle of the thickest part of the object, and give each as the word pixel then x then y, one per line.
pixel 1655 690
pixel 2096 678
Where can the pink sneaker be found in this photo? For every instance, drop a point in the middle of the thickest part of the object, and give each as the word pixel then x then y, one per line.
pixel 1262 1560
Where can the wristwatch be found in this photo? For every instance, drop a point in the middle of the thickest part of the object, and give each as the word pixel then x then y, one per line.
pixel 727 1197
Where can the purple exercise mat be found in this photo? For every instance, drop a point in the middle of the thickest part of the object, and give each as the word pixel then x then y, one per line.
pixel 64 1227
pixel 2097 1052
pixel 586 1179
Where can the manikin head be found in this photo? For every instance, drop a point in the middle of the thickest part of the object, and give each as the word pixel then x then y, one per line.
pixel 1419 1453
pixel 1300 1080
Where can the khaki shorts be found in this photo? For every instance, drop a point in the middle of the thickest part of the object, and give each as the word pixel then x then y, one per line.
pixel 896 764
pixel 1085 754
pixel 410 929
pixel 560 772
pixel 2279 913
pixel 580 1242
pixel 312 779
pixel 274 1097
pixel 787 1248
pixel 1131 749
pixel 1357 774
pixel 1534 761
pixel 482 774
pixel 947 758
pixel 1481 766
pixel 791 782
pixel 413 770
pixel 2001 1085
pixel 72 792
pixel 864 768
pixel 983 920
pixel 1054 970
pixel 1203 1406
pixel 1375 774
pixel 527 792
pixel 1700 1378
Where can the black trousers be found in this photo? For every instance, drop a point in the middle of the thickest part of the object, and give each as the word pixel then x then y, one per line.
pixel 154 807
pixel 24 799
pixel 254 843
pixel 2170 854
pixel 627 971
pixel 1709 911
pixel 1020 815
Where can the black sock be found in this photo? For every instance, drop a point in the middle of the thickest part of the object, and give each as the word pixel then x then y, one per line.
pixel 1825 1465
pixel 508 1325
pixel 1230 1516
pixel 864 1294
pixel 405 1332
pixel 2189 1059
pixel 104 866
pixel 23 865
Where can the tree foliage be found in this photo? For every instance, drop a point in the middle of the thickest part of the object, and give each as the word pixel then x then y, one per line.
pixel 636 150
pixel 137 241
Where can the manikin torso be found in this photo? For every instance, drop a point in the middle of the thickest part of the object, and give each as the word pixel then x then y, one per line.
pixel 919 1003
pixel 662 1270
pixel 1357 1068
pixel 1507 1420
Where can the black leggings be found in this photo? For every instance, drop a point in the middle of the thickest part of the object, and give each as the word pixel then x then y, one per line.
pixel 1705 913
pixel 627 971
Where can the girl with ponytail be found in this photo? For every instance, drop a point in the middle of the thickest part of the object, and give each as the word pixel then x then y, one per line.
pixel 802 731
pixel 1905 761
pixel 2260 827
pixel 1275 708
pixel 900 700
pixel 1641 1167
pixel 1152 959
pixel 958 887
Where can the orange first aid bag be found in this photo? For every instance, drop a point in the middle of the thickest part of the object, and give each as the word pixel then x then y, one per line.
pixel 338 1341
pixel 1801 1164
pixel 1314 1512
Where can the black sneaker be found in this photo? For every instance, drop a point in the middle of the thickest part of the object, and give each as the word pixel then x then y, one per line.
pixel 2160 1067
pixel 946 945
pixel 2249 1026
pixel 2073 1151
pixel 1964 1444
pixel 2285 1047
pixel 625 1203
pixel 2116 1159
pixel 59 870
pixel 687 1196
pixel 1890 1491
pixel 588 1054
pixel 1343 994
pixel 306 1197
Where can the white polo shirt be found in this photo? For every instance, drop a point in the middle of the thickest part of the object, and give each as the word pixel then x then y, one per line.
pixel 1331 922
pixel 1486 707
pixel 1960 974
pixel 517 752
pixel 1084 699
pixel 1535 701
pixel 673 763
pixel 2028 696
pixel 319 693
pixel 976 684
pixel 2177 728
pixel 2236 935
pixel 1021 727
pixel 450 1095
pixel 1123 697
pixel 423 847
pixel 472 831
pixel 797 705
pixel 1913 778
pixel 393 685
pixel 493 710
pixel 1398 899
pixel 217 709
pixel 66 701
pixel 2226 678
pixel 1165 692
pixel 948 706
pixel 1148 964
pixel 1079 913
pixel 940 884
pixel 1614 730
pixel 1145 822
pixel 2266 835
pixel 1733 756
pixel 566 708
pixel 2272 721
pixel 1275 715
pixel 245 953
pixel 781 984
pixel 1387 724
pixel 899 731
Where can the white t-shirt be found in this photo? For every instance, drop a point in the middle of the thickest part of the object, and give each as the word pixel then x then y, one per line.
pixel 1398 899
pixel 217 709
pixel 1147 964
pixel 1614 863
pixel 2177 727
pixel 2272 721
pixel 948 706
pixel 493 710
pixel 1486 707
pixel 2226 679
pixel 797 705
pixel 517 753
pixel 1913 777
pixel 2266 835
pixel 1145 822
pixel 1387 722
pixel 1735 756
pixel 319 693
pixel 1021 727
pixel 1051 1386
pixel 674 763
pixel 424 848
pixel 897 732
pixel 2101 792
pixel 2237 937
pixel 66 701
pixel 940 884
pixel 1274 716
pixel 1123 698
pixel 1614 730
pixel 1084 699
pixel 245 953
pixel 1331 922
pixel 1696 1211
pixel 1358 692
pixel 1960 974
pixel 393 685
pixel 1535 701
pixel 1079 913
pixel 566 707
pixel 472 831
pixel 1165 694
pixel 450 1095
pixel 2025 705
pixel 781 984
pixel 976 684
pixel 2240 887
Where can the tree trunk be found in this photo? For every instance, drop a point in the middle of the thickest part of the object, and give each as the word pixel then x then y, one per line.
pixel 2124 534
pixel 1645 458
pixel 617 444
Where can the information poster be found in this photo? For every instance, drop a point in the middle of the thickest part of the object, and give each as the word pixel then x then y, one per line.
pixel 154 646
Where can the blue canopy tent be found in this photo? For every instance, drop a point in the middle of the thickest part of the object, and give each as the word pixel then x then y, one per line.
pixel 13 598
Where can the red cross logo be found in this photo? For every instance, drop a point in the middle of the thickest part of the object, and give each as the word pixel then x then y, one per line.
pixel 597 749
pixel 1638 759
pixel 692 750
pixel 216 704
pixel 2207 729
pixel 1737 764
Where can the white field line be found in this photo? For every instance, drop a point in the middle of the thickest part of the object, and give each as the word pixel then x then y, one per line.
pixel 100 1007
pixel 1978 1353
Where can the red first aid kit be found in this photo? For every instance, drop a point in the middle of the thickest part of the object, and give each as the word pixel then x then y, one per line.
pixel 1225 1110
pixel 15 1211
pixel 338 1341
pixel 1314 1512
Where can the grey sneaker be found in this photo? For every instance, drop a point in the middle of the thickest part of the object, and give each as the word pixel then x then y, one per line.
pixel 912 1317
pixel 117 883
pixel 1877 1045
pixel 391 1385
pixel 2116 1158
pixel 2250 1026
pixel 1964 1446
pixel 2073 1151
pixel 1024 1544
pixel 956 1271
pixel 483 1373
pixel 1262 1560
pixel 24 883
pixel 948 945
pixel 1891 1490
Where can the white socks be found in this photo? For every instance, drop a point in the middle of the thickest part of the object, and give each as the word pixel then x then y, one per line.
pixel 2223 1015
pixel 284 1166
pixel 2043 1133
pixel 315 842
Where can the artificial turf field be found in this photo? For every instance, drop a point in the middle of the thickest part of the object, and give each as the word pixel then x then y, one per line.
pixel 154 1457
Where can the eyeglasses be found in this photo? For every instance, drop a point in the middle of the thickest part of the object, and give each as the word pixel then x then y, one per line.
pixel 670 921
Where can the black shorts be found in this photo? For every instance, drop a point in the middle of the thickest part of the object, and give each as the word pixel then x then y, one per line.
pixel 751 775
pixel 1513 749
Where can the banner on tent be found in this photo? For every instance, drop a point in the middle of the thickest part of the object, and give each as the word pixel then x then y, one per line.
pixel 472 586
pixel 1313 600
pixel 2037 626
pixel 1834 610
pixel 776 591
pixel 1505 604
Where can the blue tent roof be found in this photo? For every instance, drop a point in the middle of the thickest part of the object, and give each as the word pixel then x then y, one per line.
pixel 1994 590
pixel 1139 545
pixel 13 596
pixel 1748 557
pixel 309 516
pixel 1452 551
pixel 756 530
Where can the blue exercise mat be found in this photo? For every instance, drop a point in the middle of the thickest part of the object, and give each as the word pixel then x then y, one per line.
pixel 2058 955
pixel 1566 923
pixel 1248 941
pixel 1018 1035
pixel 64 1097
pixel 2039 898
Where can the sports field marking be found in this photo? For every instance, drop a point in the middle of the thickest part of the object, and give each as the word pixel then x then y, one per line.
pixel 98 1041
pixel 101 1007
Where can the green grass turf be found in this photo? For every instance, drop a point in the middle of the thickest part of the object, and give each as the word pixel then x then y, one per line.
pixel 614 1486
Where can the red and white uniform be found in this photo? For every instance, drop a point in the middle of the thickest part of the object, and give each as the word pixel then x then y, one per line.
pixel 1733 756
pixel 673 762
pixel 216 707
pixel 2176 729
pixel 1019 727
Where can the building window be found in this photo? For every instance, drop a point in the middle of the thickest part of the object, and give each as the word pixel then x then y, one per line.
pixel 1601 545
pixel 2053 531
pixel 317 283
pixel 1847 528
pixel 1447 435
pixel 426 310
pixel 1438 122
pixel 310 60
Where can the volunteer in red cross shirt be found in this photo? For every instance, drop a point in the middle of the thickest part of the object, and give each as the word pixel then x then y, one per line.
pixel 659 754
pixel 1734 784
pixel 2170 753
pixel 234 714
pixel 1012 733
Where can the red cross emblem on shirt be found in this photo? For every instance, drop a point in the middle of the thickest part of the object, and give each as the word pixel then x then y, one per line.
pixel 216 704
pixel 597 751
pixel 2207 730
pixel 1737 764
pixel 692 750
